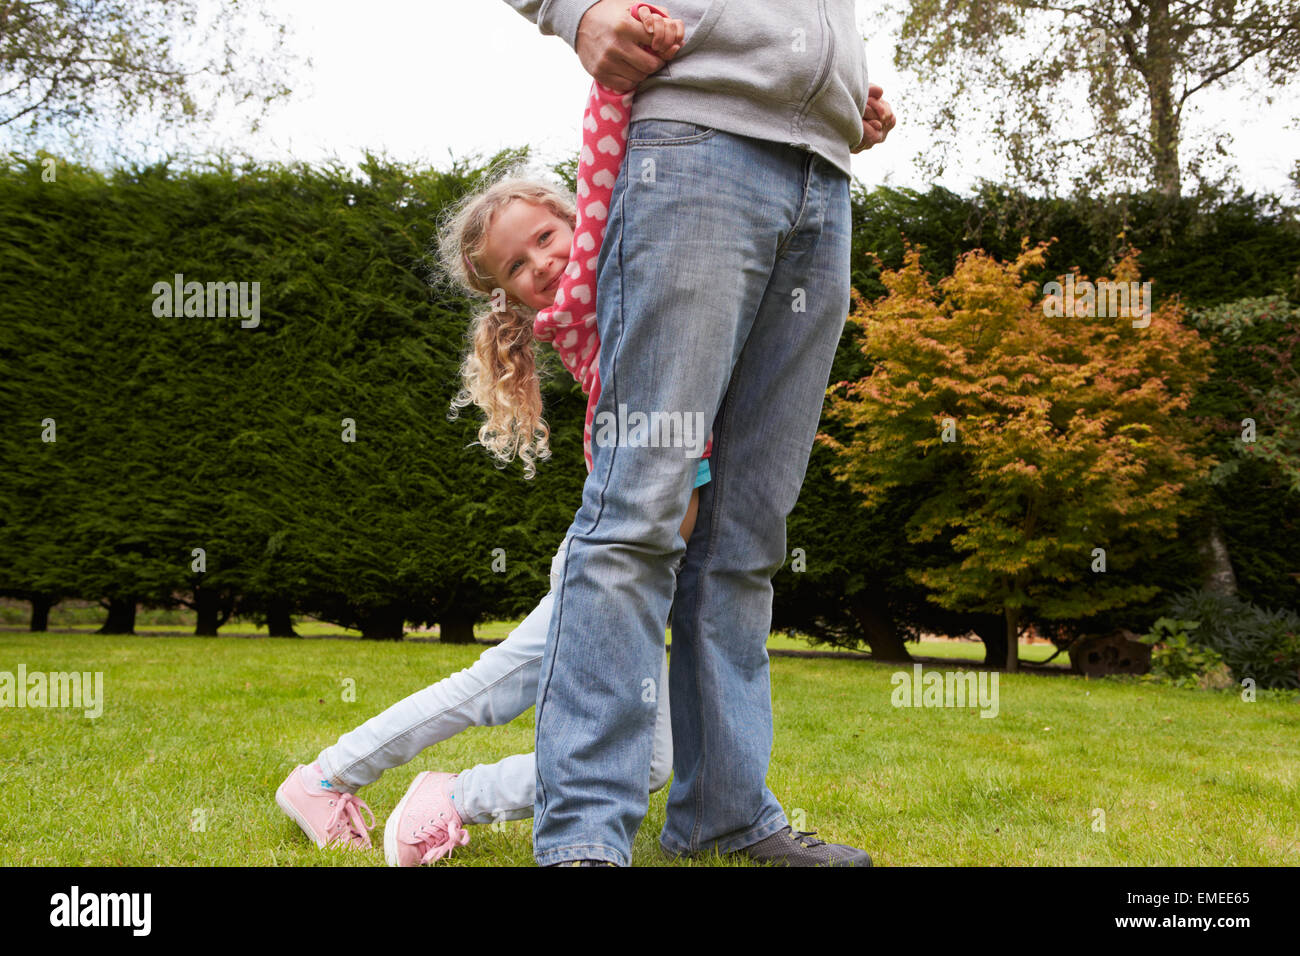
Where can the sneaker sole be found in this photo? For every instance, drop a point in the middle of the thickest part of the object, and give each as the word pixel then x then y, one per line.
pixel 283 801
pixel 863 862
pixel 390 825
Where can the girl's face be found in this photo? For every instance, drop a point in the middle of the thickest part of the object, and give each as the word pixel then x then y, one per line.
pixel 526 252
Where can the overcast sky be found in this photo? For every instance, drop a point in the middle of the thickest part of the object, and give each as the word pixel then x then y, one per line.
pixel 427 79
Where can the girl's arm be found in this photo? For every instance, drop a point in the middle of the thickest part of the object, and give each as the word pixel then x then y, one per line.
pixel 570 323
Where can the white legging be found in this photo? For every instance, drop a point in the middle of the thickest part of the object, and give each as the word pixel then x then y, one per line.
pixel 494 690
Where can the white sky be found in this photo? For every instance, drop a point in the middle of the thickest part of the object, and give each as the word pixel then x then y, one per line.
pixel 426 79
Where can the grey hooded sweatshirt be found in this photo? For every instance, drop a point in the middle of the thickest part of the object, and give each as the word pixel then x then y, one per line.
pixel 788 71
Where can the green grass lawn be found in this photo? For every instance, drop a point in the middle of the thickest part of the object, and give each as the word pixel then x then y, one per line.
pixel 87 619
pixel 1183 777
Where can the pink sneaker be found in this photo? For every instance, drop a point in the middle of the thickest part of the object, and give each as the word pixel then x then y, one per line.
pixel 425 826
pixel 327 816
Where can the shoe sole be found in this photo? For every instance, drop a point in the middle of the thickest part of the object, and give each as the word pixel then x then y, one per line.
pixel 282 799
pixel 863 862
pixel 390 825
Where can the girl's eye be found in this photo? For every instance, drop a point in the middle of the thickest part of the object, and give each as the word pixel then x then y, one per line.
pixel 540 239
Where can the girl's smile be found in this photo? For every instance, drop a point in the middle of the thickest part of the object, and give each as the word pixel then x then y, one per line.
pixel 527 251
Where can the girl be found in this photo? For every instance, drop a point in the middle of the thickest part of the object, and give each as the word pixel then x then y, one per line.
pixel 523 245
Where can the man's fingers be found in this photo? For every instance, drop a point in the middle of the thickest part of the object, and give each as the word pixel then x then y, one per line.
pixel 606 44
pixel 870 137
pixel 874 130
pixel 880 110
pixel 619 51
pixel 877 119
pixel 623 70
pixel 627 56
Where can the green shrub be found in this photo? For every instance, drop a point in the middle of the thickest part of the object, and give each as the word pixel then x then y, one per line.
pixel 1178 660
pixel 1254 642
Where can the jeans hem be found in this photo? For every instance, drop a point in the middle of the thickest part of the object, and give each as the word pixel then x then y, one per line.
pixel 581 851
pixel 755 834
pixel 335 780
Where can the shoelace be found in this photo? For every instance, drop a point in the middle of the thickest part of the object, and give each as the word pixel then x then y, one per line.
pixel 799 835
pixel 442 838
pixel 347 817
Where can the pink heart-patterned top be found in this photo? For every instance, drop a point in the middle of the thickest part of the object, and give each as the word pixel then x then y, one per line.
pixel 570 323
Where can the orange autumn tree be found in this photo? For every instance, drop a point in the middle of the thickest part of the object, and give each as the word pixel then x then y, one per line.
pixel 1049 428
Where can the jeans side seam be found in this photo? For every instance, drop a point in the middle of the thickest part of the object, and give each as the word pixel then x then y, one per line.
pixel 719 487
pixel 557 614
pixel 544 684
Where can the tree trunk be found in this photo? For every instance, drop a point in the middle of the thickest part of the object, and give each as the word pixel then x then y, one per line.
pixel 456 628
pixel 121 617
pixel 1013 640
pixel 993 632
pixel 1217 576
pixel 207 606
pixel 41 604
pixel 1165 120
pixel 383 623
pixel 279 621
pixel 877 628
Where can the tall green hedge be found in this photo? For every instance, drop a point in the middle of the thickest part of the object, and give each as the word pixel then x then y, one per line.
pixel 176 433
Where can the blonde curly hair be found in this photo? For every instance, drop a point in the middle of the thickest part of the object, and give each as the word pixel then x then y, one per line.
pixel 499 371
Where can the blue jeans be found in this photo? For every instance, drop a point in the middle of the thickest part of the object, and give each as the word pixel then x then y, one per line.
pixel 723 290
pixel 494 690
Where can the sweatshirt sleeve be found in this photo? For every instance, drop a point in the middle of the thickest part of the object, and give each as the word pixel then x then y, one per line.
pixel 555 17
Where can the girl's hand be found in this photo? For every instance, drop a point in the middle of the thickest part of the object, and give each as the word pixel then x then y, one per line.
pixel 666 33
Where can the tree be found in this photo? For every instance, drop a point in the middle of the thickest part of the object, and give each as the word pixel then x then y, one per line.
pixel 63 63
pixel 1052 446
pixel 1273 420
pixel 1252 404
pixel 849 585
pixel 1129 66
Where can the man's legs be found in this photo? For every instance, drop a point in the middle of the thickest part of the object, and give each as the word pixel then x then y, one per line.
pixel 722 705
pixel 698 222
pixel 507 789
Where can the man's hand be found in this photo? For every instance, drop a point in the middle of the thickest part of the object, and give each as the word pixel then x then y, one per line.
pixel 877 121
pixel 609 44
